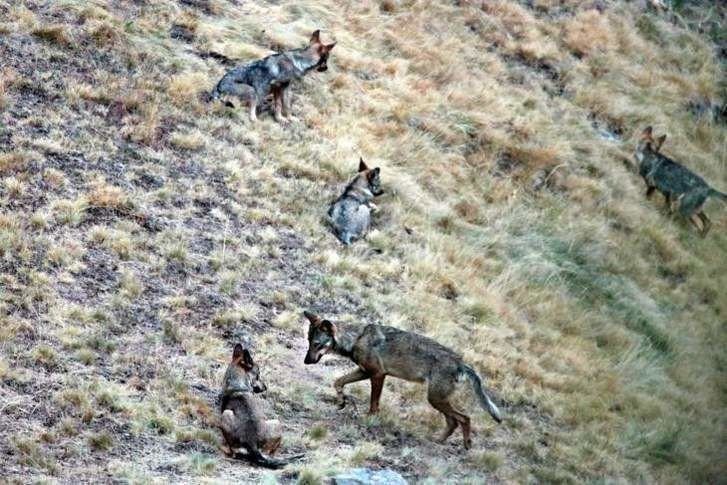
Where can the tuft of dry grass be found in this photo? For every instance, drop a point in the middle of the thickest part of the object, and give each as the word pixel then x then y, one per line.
pixel 55 34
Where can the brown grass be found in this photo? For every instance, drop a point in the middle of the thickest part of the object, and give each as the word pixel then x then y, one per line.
pixel 55 34
pixel 143 232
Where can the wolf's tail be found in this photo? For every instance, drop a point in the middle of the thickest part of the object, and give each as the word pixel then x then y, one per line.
pixel 482 396
pixel 215 93
pixel 257 458
pixel 718 194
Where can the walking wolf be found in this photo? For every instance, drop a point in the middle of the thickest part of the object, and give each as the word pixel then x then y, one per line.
pixel 682 189
pixel 380 351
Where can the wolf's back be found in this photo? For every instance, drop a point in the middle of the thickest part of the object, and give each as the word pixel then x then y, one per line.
pixel 350 219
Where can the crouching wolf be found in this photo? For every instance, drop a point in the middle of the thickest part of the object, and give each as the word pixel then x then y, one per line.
pixel 350 214
pixel 243 423
pixel 682 188
pixel 251 83
pixel 380 351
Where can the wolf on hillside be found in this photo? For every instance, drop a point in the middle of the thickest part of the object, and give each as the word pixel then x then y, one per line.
pixel 251 83
pixel 683 189
pixel 350 214
pixel 379 351
pixel 242 421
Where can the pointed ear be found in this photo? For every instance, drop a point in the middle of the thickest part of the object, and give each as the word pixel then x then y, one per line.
pixel 312 317
pixel 247 359
pixel 237 352
pixel 329 47
pixel 328 327
pixel 647 133
pixel 374 173
pixel 660 141
pixel 362 167
pixel 315 37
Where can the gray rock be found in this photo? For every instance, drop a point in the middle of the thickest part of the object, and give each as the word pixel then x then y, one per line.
pixel 365 476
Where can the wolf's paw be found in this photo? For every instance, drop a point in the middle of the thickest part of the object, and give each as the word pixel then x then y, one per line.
pixel 346 400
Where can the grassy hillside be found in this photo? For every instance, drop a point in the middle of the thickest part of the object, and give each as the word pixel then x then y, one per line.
pixel 143 231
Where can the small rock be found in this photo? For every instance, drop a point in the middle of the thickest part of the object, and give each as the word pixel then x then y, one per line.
pixel 365 476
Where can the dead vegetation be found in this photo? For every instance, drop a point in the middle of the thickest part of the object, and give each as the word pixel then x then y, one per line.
pixel 142 231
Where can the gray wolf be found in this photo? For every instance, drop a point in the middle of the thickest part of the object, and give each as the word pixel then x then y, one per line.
pixel 253 82
pixel 682 189
pixel 379 351
pixel 350 214
pixel 243 423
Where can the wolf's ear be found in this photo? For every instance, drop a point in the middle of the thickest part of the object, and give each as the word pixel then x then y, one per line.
pixel 328 327
pixel 312 317
pixel 374 173
pixel 362 167
pixel 247 359
pixel 329 47
pixel 659 142
pixel 315 37
pixel 237 352
pixel 647 133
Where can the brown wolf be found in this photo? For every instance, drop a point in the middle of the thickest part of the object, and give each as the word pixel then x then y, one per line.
pixel 682 188
pixel 380 351
pixel 243 423
pixel 350 214
pixel 252 82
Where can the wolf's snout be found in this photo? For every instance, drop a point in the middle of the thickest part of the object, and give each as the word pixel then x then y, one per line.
pixel 311 358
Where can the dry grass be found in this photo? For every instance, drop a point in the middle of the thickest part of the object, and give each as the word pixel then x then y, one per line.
pixel 143 231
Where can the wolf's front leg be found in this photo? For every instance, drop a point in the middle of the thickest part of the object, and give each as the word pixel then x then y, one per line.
pixel 253 111
pixel 354 376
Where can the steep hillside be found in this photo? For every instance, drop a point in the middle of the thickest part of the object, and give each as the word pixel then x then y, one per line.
pixel 143 231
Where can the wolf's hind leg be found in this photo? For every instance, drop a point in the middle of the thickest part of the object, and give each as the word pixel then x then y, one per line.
pixel 438 393
pixel 284 102
pixel 697 222
pixel 253 110
pixel 706 223
pixel 277 103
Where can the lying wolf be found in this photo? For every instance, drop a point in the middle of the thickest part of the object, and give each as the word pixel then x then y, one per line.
pixel 682 189
pixel 251 83
pixel 350 214
pixel 379 351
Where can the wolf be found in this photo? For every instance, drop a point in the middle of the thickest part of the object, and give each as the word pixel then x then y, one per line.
pixel 350 214
pixel 253 82
pixel 379 351
pixel 243 423
pixel 682 189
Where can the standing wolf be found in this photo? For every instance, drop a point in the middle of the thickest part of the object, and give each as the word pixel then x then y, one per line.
pixel 350 214
pixel 682 188
pixel 252 82
pixel 380 351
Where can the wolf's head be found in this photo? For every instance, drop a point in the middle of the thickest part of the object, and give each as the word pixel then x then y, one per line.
pixel 321 338
pixel 243 373
pixel 647 144
pixel 320 51
pixel 371 177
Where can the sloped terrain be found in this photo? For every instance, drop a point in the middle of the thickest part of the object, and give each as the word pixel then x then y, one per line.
pixel 144 231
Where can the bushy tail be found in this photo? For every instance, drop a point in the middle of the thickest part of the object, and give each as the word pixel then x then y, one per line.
pixel 718 194
pixel 258 458
pixel 484 399
pixel 215 93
